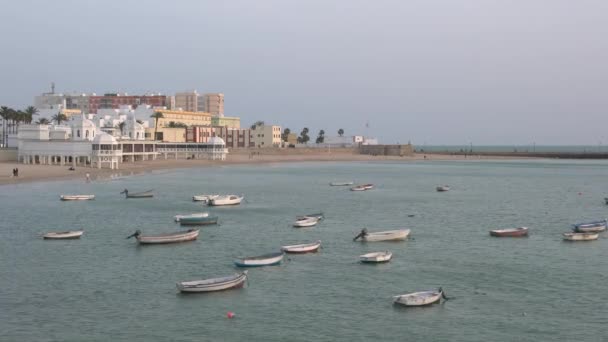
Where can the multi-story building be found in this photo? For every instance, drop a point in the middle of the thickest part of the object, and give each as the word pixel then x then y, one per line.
pixel 234 138
pixel 187 101
pixel 212 103
pixel 115 100
pixel 231 122
pixel 266 136
pixel 56 101
pixel 182 117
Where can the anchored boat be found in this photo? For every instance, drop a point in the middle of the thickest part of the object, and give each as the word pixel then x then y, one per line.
pixel 73 234
pixel 443 188
pixel 226 200
pixel 510 232
pixel 77 197
pixel 198 221
pixel 581 236
pixel 302 248
pixel 420 298
pixel 318 216
pixel 389 235
pixel 376 257
pixel 181 236
pixel 214 284
pixel 341 183
pixel 144 194
pixel 261 260
pixel 590 227
pixel 177 218
pixel 305 222
pixel 363 187
pixel 204 198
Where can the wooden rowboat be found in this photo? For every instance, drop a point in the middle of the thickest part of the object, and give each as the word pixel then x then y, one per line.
pixel 590 227
pixel 214 284
pixel 420 298
pixel 261 260
pixel 341 183
pixel 182 236
pixel 144 194
pixel 77 197
pixel 318 216
pixel 581 236
pixel 198 221
pixel 204 198
pixel 302 248
pixel 74 234
pixel 177 218
pixel 389 235
pixel 443 188
pixel 376 257
pixel 226 200
pixel 305 222
pixel 510 232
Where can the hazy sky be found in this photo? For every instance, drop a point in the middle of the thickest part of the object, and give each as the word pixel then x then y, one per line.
pixel 429 71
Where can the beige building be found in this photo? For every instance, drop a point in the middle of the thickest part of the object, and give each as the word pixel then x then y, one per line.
pixel 266 136
pixel 230 122
pixel 212 103
pixel 184 117
pixel 166 134
pixel 187 101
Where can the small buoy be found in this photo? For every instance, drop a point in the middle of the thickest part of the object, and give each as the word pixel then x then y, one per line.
pixel 230 314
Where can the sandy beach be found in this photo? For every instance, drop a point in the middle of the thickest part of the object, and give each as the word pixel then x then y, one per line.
pixel 33 173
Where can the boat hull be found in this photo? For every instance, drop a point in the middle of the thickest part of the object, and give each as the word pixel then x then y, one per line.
pixel 307 222
pixel 419 298
pixel 168 238
pixel 590 227
pixel 390 235
pixel 222 284
pixel 376 258
pixel 580 236
pixel 72 235
pixel 198 221
pixel 216 202
pixel 270 260
pixel 302 248
pixel 77 197
pixel 517 232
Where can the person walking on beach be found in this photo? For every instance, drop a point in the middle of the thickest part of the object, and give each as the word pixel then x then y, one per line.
pixel 16 172
pixel 88 177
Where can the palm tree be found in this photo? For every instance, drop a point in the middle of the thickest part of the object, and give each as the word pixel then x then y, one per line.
pixel 156 116
pixel 286 133
pixel 43 121
pixel 340 132
pixel 30 112
pixel 59 117
pixel 321 137
pixel 304 135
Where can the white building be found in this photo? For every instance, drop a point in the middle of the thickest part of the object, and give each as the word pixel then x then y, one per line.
pixel 83 143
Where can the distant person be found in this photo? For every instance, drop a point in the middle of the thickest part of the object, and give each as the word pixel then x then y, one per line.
pixel 88 177
pixel 16 172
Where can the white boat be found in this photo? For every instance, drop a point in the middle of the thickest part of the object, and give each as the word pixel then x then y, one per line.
pixel 177 218
pixel 305 222
pixel 590 227
pixel 341 183
pixel 443 188
pixel 214 284
pixel 376 257
pixel 77 197
pixel 74 234
pixel 261 260
pixel 420 298
pixel 181 236
pixel 226 200
pixel 389 235
pixel 319 216
pixel 204 198
pixel 581 236
pixel 302 248
pixel 363 187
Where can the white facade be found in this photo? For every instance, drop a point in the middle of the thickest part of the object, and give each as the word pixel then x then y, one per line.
pixel 266 136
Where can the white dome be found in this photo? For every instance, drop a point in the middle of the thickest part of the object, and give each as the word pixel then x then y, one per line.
pixel 104 138
pixel 216 141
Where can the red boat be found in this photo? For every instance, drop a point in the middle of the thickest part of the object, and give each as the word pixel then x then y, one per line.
pixel 510 232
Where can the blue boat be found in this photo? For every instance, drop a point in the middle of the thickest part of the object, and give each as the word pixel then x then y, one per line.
pixel 590 227
pixel 261 260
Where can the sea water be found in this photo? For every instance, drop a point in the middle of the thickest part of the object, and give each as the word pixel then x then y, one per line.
pixel 104 287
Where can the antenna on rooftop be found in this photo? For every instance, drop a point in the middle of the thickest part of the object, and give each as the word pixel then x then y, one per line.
pixel 52 87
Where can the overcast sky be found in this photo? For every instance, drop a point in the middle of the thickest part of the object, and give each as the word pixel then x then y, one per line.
pixel 429 71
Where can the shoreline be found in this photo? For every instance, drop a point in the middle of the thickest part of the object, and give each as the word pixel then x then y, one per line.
pixel 41 173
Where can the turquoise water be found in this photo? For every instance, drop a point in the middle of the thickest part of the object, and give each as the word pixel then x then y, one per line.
pixel 104 287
